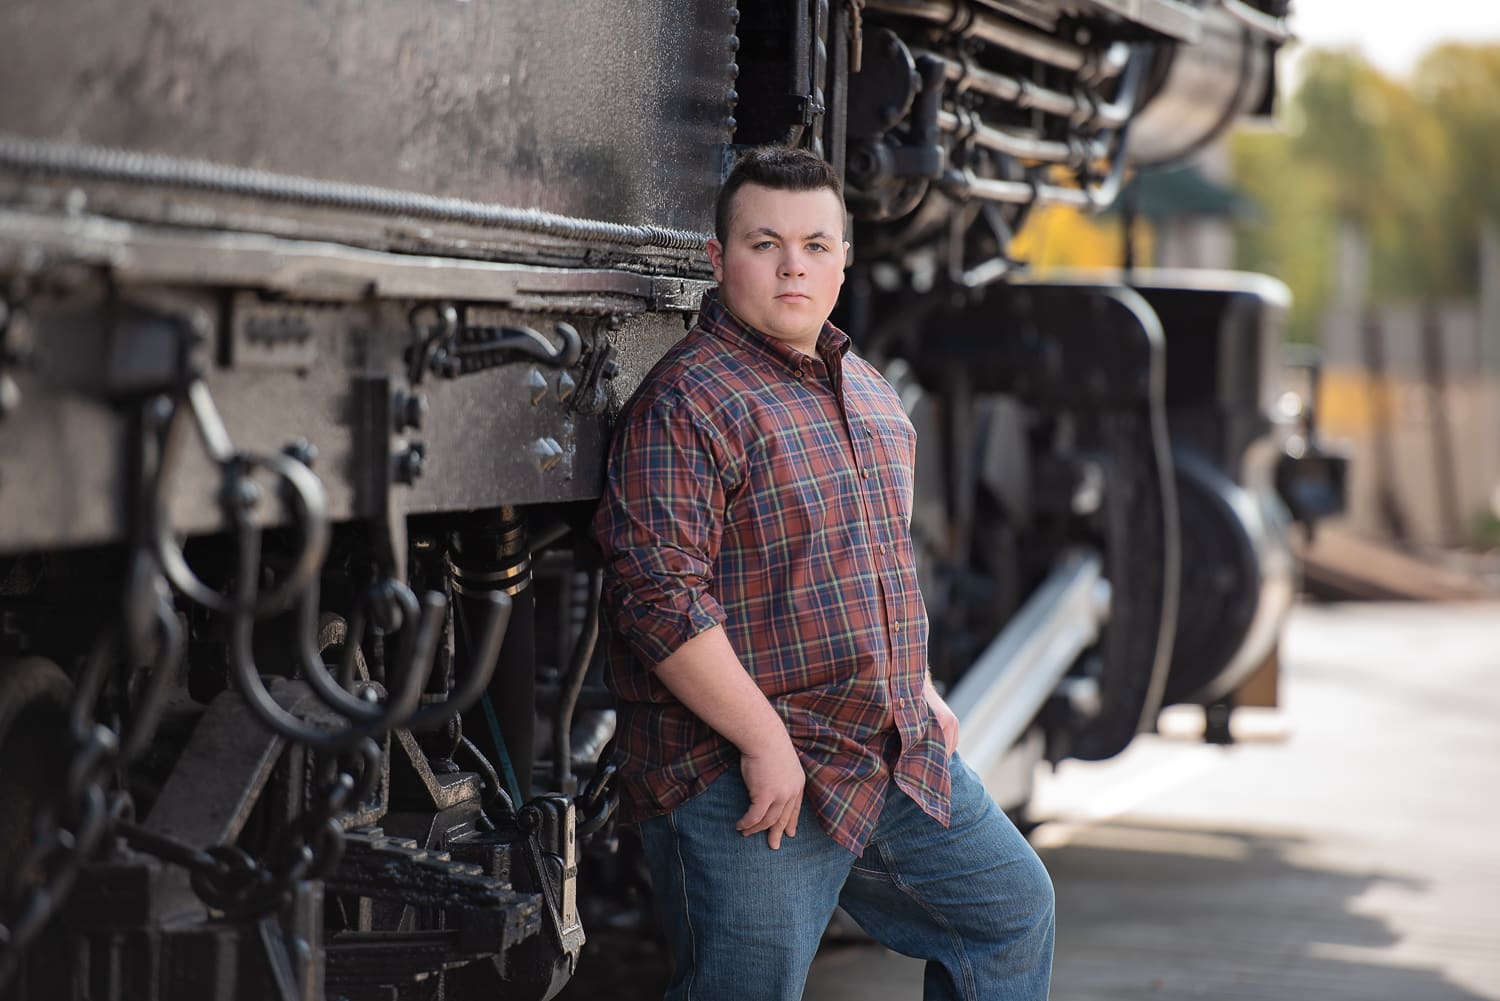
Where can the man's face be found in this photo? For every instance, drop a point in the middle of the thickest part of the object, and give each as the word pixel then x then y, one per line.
pixel 782 265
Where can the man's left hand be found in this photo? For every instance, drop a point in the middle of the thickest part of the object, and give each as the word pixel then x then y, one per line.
pixel 945 717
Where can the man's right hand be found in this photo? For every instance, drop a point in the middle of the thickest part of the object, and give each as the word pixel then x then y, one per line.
pixel 775 778
pixel 709 679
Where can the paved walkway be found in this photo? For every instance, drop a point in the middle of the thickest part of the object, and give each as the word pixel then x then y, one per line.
pixel 1347 849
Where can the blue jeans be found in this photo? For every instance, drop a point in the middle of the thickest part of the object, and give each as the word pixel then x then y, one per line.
pixel 743 922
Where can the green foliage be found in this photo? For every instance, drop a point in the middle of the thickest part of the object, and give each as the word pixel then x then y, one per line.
pixel 1294 238
pixel 1462 84
pixel 1410 165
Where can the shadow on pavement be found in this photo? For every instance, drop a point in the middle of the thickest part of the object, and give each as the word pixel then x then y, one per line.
pixel 1146 912
pixel 1168 912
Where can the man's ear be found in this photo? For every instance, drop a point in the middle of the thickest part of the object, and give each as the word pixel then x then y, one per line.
pixel 715 258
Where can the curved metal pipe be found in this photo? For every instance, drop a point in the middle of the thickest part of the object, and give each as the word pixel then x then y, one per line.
pixel 481 666
pixel 966 124
pixel 991 29
pixel 578 665
pixel 487 768
pixel 966 184
pixel 1079 108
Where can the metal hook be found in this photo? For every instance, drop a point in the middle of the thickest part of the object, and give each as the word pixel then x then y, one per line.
pixel 307 491
pixel 417 652
pixel 247 677
pixel 310 660
pixel 481 669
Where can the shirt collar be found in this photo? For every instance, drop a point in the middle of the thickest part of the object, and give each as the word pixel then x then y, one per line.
pixel 832 345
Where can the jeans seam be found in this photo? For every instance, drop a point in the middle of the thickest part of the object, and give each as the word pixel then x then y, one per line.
pixel 970 990
pixel 687 914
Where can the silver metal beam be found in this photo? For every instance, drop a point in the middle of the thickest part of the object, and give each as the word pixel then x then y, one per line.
pixel 1005 688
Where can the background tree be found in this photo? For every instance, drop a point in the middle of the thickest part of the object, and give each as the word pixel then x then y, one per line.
pixel 1409 165
pixel 1460 86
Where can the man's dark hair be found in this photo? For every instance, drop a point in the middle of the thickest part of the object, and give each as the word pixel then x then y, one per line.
pixel 780 168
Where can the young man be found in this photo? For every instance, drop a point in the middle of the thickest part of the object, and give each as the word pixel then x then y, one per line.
pixel 781 742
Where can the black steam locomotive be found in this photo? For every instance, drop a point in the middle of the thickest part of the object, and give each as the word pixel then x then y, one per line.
pixel 313 320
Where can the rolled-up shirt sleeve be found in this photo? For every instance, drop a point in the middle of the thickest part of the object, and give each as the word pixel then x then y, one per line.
pixel 659 525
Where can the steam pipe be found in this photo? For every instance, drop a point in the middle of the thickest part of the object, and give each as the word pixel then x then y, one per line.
pixel 1077 108
pixel 991 29
pixel 1021 147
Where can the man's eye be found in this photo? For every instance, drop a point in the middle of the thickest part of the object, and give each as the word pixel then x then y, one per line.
pixel 764 245
pixel 820 248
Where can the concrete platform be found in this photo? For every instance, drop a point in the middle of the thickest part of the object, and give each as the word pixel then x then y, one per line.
pixel 1348 848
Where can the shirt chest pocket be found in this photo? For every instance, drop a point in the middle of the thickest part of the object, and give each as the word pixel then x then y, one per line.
pixel 891 446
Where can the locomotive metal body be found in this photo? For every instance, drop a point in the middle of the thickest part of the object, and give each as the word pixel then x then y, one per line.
pixel 313 320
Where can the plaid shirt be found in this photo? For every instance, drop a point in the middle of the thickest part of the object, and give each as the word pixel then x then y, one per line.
pixel 758 488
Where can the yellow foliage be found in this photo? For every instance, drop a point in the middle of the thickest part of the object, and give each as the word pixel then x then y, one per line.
pixel 1059 236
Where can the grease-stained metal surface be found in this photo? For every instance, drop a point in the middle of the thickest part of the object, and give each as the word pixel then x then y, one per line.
pixel 620 116
pixel 507 434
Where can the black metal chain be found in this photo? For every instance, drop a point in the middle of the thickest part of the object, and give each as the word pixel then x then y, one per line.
pixel 68 832
pixel 597 805
pixel 309 846
pixel 65 835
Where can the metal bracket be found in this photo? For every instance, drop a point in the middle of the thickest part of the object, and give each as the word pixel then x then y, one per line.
pixel 383 458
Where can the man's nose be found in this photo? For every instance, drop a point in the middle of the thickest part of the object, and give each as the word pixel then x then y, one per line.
pixel 792 264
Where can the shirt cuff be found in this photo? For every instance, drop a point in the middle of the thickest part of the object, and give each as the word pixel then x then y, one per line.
pixel 655 629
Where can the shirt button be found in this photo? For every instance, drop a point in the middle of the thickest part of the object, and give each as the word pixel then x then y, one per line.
pixel 797 373
pixel 882 549
pixel 896 628
pixel 868 472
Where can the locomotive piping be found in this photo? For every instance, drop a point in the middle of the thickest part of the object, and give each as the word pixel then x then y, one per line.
pixel 130 167
pixel 992 29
